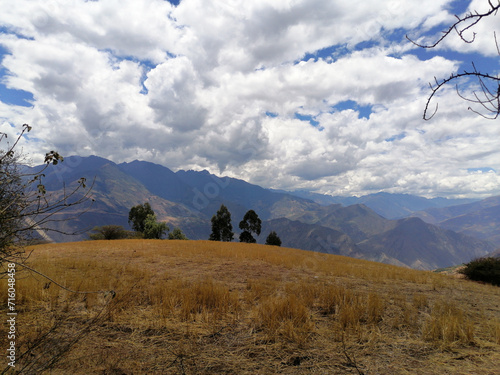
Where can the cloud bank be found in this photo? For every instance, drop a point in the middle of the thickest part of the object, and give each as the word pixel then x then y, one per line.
pixel 287 94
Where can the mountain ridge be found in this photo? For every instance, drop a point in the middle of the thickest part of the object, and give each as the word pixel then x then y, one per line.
pixel 478 219
pixel 188 199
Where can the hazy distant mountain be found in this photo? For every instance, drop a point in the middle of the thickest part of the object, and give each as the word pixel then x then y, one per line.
pixel 479 219
pixel 424 246
pixel 358 221
pixel 188 199
pixel 390 206
pixel 495 254
pixel 304 236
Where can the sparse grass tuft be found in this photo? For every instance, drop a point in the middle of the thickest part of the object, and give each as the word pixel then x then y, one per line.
pixel 284 316
pixel 448 324
pixel 420 301
pixel 201 300
pixel 494 328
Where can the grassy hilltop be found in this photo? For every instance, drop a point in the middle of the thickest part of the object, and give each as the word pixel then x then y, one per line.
pixel 200 307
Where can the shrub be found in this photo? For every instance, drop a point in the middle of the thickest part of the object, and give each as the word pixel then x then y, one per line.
pixel 177 235
pixel 110 232
pixel 273 239
pixel 483 269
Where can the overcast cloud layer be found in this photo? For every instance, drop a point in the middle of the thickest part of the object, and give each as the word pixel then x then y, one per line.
pixel 290 94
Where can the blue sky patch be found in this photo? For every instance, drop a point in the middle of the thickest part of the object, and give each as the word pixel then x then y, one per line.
pixel 366 44
pixel 482 170
pixel 271 114
pixel 9 31
pixel 15 97
pixel 333 52
pixel 396 137
pixel 364 110
pixel 146 64
pixel 309 119
pixel 12 96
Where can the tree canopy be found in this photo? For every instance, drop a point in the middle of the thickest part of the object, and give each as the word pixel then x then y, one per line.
pixel 222 229
pixel 251 223
pixel 137 216
pixel 154 229
pixel 177 234
pixel 273 239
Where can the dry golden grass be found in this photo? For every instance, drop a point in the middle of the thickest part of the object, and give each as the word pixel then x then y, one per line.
pixel 200 307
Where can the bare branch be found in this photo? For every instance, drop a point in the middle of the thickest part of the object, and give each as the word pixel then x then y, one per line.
pixel 489 97
pixel 461 27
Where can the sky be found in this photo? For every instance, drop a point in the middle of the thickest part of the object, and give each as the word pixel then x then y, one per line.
pixel 289 94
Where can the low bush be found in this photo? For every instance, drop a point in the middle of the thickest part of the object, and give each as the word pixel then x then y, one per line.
pixel 177 235
pixel 484 269
pixel 110 232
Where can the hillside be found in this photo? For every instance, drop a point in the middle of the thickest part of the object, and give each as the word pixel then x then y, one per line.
pixel 358 221
pixel 305 236
pixel 188 200
pixel 114 193
pixel 423 246
pixel 479 219
pixel 201 307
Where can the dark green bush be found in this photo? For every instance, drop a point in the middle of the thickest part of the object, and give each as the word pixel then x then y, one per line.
pixel 110 232
pixel 483 269
pixel 273 239
pixel 177 235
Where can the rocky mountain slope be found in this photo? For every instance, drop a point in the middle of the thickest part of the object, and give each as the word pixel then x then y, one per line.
pixel 479 219
pixel 188 199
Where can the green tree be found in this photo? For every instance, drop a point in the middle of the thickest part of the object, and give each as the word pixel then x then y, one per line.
pixel 177 235
pixel 110 232
pixel 273 239
pixel 137 216
pixel 222 229
pixel 154 229
pixel 251 223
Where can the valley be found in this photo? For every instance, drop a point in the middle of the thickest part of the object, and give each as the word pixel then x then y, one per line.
pixel 451 234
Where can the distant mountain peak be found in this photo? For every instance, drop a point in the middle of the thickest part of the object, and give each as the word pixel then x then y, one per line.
pixel 188 199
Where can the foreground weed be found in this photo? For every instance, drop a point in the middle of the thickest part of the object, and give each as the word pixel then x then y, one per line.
pixel 448 324
pixel 420 301
pixel 284 316
pixel 203 298
pixel 495 331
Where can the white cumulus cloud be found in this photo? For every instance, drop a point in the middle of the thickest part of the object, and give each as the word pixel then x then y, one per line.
pixel 287 94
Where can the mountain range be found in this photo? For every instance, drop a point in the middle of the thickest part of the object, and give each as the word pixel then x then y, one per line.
pixel 427 234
